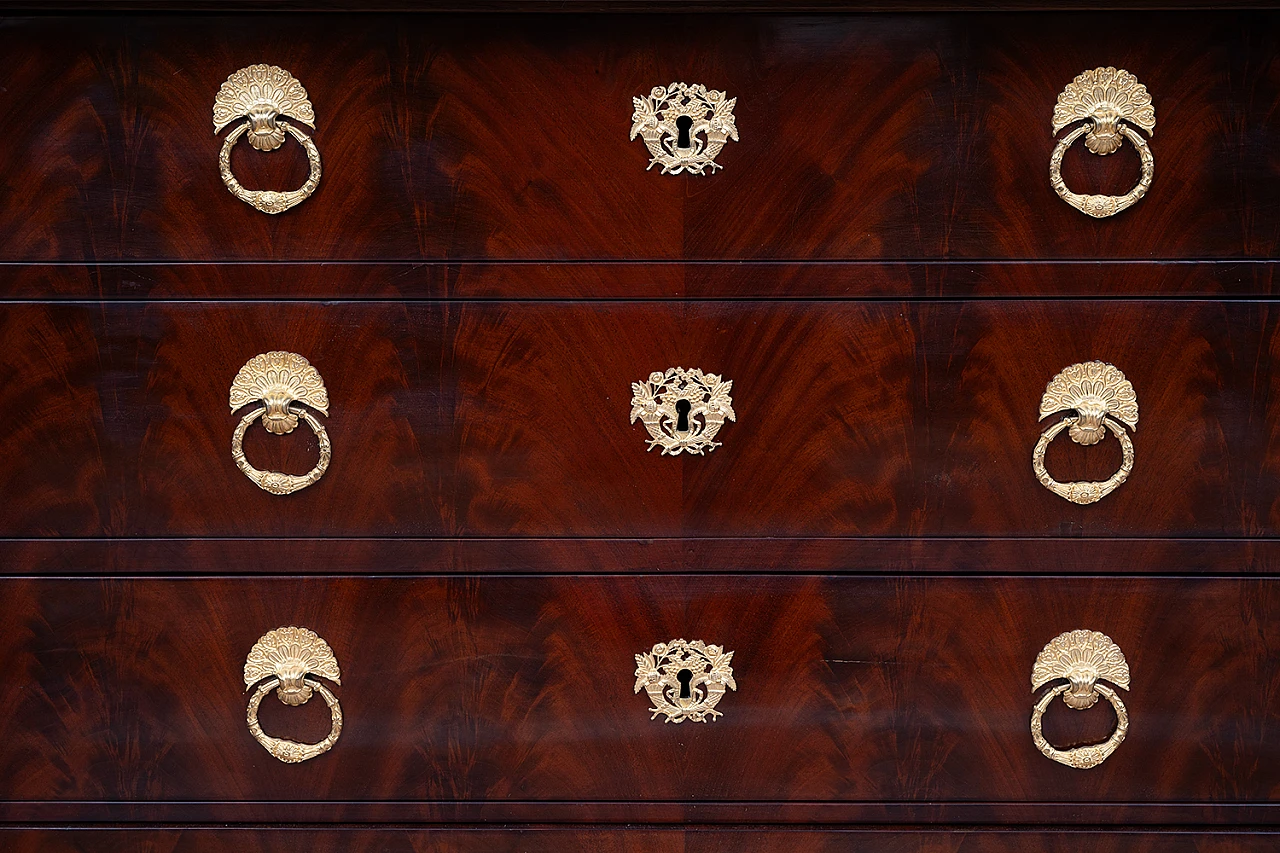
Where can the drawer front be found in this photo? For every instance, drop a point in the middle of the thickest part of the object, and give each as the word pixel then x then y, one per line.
pixel 482 420
pixel 562 840
pixel 514 698
pixel 455 137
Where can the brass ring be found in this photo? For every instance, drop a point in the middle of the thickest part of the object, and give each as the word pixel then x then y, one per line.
pixel 1082 757
pixel 270 201
pixel 1084 492
pixel 1102 206
pixel 275 482
pixel 288 751
pixel 285 658
pixel 278 381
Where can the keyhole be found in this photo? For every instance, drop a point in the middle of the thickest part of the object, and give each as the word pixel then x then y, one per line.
pixel 683 123
pixel 684 676
pixel 682 415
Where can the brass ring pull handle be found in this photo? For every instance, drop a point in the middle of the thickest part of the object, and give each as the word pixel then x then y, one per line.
pixel 1083 493
pixel 1082 658
pixel 279 380
pixel 684 127
pixel 1103 400
pixel 261 94
pixel 1108 99
pixel 682 410
pixel 685 680
pixel 285 657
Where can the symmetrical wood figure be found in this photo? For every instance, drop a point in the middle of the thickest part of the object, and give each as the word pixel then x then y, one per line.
pixel 482 138
pixel 684 372
pixel 479 696
pixel 486 419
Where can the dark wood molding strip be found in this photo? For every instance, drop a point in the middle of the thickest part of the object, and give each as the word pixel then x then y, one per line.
pixel 657 280
pixel 402 556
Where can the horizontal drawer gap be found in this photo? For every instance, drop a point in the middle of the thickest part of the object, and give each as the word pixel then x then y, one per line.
pixel 508 575
pixel 645 262
pixel 674 827
pixel 125 541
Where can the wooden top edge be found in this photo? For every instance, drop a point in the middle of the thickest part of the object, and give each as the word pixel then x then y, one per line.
pixel 618 6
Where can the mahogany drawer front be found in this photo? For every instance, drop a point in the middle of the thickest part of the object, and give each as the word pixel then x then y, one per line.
pixel 490 698
pixel 488 137
pixel 646 840
pixel 491 419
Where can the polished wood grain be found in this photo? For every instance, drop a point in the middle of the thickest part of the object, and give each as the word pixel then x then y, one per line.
pixel 638 280
pixel 637 840
pixel 483 419
pixel 624 6
pixel 482 138
pixel 407 555
pixel 503 690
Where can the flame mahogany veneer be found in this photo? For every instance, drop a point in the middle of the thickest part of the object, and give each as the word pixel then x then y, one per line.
pixel 497 419
pixel 506 137
pixel 882 269
pixel 638 840
pixel 483 697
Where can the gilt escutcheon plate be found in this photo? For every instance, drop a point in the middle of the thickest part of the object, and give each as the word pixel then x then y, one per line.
pixel 682 410
pixel 684 127
pixel 685 680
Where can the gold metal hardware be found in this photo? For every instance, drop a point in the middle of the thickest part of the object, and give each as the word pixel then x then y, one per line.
pixel 261 94
pixel 1108 100
pixel 685 681
pixel 684 127
pixel 1102 399
pixel 683 410
pixel 280 380
pixel 1082 658
pixel 285 657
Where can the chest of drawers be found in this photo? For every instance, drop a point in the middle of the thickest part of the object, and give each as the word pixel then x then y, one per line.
pixel 647 510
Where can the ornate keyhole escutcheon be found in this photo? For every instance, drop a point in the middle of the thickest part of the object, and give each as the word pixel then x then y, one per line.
pixel 682 410
pixel 1114 106
pixel 1083 660
pixel 282 382
pixel 684 127
pixel 685 680
pixel 262 95
pixel 283 660
pixel 1097 398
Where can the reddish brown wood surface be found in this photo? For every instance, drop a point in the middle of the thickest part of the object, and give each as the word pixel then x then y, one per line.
pixel 639 840
pixel 853 694
pixel 665 7
pixel 640 280
pixel 510 419
pixel 401 555
pixel 490 137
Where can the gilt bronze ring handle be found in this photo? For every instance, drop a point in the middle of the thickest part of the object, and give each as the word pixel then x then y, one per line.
pixel 1082 658
pixel 261 94
pixel 1102 400
pixel 280 380
pixel 285 657
pixel 1109 100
